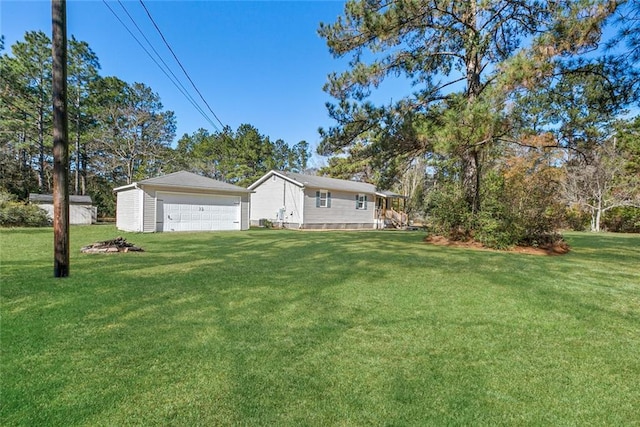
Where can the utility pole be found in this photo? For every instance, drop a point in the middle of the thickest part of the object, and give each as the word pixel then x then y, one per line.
pixel 60 139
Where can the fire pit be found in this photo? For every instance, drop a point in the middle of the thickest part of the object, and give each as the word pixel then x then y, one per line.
pixel 118 244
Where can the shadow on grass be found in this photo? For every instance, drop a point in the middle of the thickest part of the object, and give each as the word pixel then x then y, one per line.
pixel 596 282
pixel 263 327
pixel 128 322
pixel 607 247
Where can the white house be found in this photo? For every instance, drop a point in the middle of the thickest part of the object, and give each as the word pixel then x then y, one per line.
pixel 181 201
pixel 81 209
pixel 295 200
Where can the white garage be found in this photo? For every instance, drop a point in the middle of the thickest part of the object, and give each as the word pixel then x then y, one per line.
pixel 182 201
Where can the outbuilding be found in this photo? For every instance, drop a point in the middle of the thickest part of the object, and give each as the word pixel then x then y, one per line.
pixel 182 201
pixel 81 209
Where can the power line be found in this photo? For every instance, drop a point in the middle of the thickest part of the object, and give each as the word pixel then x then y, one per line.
pixel 179 63
pixel 178 85
pixel 189 98
pixel 185 92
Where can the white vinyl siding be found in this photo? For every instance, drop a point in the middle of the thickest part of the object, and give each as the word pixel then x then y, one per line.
pixel 292 207
pixel 245 206
pixel 78 214
pixel 82 214
pixel 267 199
pixel 149 211
pixel 275 194
pixel 128 210
pixel 342 210
pixel 194 203
pixel 299 203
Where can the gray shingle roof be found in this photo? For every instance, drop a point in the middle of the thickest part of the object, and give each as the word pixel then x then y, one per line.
pixel 322 182
pixel 387 193
pixel 48 198
pixel 325 183
pixel 185 180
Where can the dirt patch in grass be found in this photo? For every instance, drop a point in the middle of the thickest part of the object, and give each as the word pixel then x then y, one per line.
pixel 559 248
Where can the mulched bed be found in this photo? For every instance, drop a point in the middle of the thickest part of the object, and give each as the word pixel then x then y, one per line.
pixel 118 244
pixel 559 248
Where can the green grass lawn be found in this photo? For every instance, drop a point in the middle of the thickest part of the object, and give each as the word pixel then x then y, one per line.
pixel 273 327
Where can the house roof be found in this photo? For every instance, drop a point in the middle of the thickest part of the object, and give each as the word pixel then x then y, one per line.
pixel 390 194
pixel 325 183
pixel 48 198
pixel 186 180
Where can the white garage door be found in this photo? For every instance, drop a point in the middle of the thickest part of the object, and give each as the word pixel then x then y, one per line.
pixel 187 212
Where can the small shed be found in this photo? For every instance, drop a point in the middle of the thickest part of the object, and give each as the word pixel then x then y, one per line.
pixel 182 201
pixel 81 209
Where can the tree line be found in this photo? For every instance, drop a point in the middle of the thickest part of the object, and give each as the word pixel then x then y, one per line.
pixel 119 132
pixel 520 119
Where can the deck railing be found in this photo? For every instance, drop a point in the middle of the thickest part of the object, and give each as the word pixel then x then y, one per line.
pixel 398 219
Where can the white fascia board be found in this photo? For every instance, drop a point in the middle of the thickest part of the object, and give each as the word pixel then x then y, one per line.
pixel 126 187
pixel 269 175
pixel 260 180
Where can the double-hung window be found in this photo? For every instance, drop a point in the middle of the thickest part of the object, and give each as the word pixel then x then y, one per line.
pixel 361 201
pixel 323 199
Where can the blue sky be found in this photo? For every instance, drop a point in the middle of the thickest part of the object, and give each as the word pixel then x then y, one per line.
pixel 256 62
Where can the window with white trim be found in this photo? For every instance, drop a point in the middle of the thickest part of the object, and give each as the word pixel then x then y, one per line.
pixel 323 199
pixel 361 201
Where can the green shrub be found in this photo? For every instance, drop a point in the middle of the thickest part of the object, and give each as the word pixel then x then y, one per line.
pixel 516 209
pixel 519 207
pixel 448 214
pixel 622 220
pixel 576 219
pixel 19 214
pixel 494 232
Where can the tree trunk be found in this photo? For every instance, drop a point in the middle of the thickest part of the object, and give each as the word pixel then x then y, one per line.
pixel 25 167
pixel 41 175
pixel 470 156
pixel 599 212
pixel 83 169
pixel 471 179
pixel 130 171
pixel 77 159
pixel 83 176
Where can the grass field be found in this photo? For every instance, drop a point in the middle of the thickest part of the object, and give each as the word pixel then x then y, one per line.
pixel 273 327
